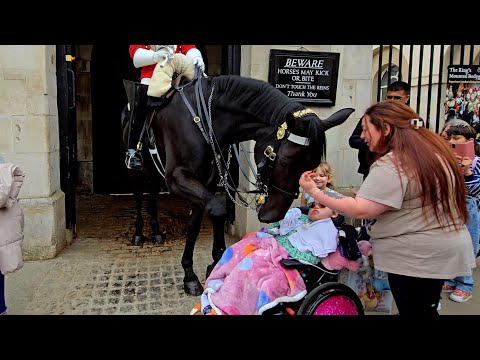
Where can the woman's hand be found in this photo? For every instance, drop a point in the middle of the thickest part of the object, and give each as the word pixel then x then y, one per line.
pixel 307 183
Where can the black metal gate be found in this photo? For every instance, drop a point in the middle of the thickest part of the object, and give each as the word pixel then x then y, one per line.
pixel 424 67
pixel 67 126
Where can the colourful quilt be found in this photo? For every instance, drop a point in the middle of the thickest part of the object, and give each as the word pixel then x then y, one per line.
pixel 249 279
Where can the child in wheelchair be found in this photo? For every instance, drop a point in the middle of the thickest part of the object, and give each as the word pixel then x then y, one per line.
pixel 280 264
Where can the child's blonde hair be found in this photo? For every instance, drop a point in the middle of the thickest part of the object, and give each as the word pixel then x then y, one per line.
pixel 327 170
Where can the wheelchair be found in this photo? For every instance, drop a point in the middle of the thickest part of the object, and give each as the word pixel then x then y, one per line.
pixel 325 296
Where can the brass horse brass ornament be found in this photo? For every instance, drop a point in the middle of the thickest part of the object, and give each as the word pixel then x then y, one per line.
pixel 304 112
pixel 281 131
pixel 261 199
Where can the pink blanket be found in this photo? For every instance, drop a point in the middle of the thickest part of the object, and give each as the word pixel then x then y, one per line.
pixel 249 279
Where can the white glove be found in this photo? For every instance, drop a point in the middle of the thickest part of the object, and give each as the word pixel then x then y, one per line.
pixel 158 56
pixel 144 57
pixel 195 56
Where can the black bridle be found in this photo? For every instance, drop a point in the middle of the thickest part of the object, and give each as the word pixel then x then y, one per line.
pixel 272 144
pixel 269 157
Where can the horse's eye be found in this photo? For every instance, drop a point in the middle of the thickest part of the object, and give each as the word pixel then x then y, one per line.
pixel 283 162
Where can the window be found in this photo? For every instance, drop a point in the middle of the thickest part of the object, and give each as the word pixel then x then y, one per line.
pixel 394 76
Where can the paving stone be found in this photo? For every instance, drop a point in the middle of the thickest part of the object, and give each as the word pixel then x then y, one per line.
pixel 100 273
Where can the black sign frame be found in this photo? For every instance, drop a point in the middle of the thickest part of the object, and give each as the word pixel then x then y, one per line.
pixel 305 76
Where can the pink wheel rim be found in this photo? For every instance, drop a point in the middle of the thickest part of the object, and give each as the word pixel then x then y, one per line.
pixel 336 305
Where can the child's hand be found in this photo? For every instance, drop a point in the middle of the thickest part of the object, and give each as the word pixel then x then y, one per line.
pixel 307 183
pixel 465 163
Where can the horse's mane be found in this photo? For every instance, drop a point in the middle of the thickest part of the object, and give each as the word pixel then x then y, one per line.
pixel 263 101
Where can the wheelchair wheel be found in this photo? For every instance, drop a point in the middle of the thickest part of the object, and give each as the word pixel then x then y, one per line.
pixel 331 299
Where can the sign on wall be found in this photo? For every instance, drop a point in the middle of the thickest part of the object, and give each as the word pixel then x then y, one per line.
pixel 463 93
pixel 305 76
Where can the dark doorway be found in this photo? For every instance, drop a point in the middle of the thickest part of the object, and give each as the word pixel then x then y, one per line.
pixel 109 66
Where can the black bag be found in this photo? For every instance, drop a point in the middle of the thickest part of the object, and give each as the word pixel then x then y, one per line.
pixel 347 242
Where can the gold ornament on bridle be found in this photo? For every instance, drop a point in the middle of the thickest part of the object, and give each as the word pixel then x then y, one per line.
pixel 302 113
pixel 281 131
pixel 261 199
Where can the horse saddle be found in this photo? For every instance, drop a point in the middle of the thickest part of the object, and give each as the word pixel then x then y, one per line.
pixel 131 88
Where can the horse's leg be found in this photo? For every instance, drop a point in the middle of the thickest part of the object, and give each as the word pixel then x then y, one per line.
pixel 157 237
pixel 218 248
pixel 182 182
pixel 137 239
pixel 191 284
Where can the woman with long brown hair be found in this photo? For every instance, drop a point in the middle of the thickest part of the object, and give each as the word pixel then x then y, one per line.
pixel 415 196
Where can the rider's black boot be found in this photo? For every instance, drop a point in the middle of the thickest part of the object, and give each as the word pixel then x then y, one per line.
pixel 138 111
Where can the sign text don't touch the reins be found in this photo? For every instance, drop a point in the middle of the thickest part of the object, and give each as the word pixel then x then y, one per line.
pixel 308 77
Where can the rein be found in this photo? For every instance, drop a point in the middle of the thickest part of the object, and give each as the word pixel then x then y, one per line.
pixel 266 165
pixel 210 138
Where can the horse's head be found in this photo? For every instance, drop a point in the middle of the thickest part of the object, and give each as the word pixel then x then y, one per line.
pixel 297 146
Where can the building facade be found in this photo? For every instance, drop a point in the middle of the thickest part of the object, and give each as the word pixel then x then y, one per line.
pixel 31 124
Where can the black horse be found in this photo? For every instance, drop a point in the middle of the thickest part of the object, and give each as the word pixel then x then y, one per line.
pixel 289 139
pixel 148 180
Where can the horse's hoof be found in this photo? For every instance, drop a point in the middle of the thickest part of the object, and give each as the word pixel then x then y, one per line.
pixel 193 288
pixel 137 240
pixel 158 239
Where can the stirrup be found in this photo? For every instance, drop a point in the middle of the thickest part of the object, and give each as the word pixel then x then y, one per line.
pixel 134 160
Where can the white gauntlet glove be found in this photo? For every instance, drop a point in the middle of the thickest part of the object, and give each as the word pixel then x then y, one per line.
pixel 144 57
pixel 158 56
pixel 164 54
pixel 161 57
pixel 196 57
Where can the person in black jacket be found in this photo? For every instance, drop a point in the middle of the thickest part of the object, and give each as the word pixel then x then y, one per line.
pixel 396 91
pixel 365 156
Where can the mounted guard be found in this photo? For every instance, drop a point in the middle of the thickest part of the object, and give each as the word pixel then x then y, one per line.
pixel 147 57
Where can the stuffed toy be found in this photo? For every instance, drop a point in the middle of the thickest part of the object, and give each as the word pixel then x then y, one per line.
pixel 379 278
pixel 369 298
pixel 380 281
pixel 366 268
pixel 365 247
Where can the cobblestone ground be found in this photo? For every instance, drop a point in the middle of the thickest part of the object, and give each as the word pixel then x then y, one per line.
pixel 101 273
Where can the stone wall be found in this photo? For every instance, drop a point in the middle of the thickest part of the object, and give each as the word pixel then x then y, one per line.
pixel 29 138
pixel 353 90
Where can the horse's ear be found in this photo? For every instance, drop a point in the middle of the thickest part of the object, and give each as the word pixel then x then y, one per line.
pixel 290 120
pixel 337 118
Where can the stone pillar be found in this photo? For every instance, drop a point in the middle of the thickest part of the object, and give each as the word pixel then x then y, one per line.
pixel 29 138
